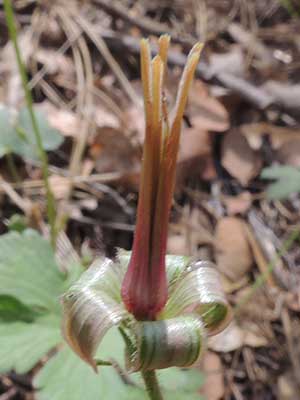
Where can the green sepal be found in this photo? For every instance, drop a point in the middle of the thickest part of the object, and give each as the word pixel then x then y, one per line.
pixel 196 306
pixel 162 344
pixel 198 289
pixel 91 307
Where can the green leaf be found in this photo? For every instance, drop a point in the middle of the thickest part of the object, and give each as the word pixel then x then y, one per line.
pixel 288 181
pixel 8 138
pixel 23 344
pixel 182 396
pixel 51 138
pixel 19 137
pixel 65 376
pixel 176 379
pixel 17 222
pixel 11 309
pixel 29 272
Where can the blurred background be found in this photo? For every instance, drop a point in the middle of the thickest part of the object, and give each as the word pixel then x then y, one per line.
pixel 238 179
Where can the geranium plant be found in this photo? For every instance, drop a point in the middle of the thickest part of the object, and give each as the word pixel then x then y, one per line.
pixel 164 305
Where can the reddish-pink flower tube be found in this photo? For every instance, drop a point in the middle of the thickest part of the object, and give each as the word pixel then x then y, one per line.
pixel 144 289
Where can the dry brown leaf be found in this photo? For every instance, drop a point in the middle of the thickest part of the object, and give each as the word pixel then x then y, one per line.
pixel 289 153
pixel 206 112
pixel 233 254
pixel 234 337
pixel 292 300
pixel 239 159
pixel 250 303
pixel 213 388
pixel 239 204
pixel 195 156
pixel 194 143
pixel 278 135
pixel 113 151
pixel 229 286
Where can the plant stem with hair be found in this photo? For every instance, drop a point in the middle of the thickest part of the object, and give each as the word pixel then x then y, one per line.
pixel 51 213
pixel 152 385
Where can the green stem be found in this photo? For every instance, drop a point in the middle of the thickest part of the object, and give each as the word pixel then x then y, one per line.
pixel 12 168
pixel 149 377
pixel 51 213
pixel 152 385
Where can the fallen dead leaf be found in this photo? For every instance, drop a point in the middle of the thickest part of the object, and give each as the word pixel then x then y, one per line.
pixel 233 255
pixel 205 111
pixel 278 135
pixel 213 388
pixel 239 159
pixel 289 153
pixel 234 337
pixel 229 286
pixel 292 300
pixel 113 151
pixel 194 143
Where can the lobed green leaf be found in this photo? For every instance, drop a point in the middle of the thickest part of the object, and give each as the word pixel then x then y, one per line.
pixel 18 137
pixel 288 181
pixel 29 272
pixel 24 344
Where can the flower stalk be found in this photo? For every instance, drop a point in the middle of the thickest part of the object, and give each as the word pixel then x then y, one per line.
pixel 152 385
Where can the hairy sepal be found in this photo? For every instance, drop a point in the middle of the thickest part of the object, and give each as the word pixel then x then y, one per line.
pixel 162 344
pixel 195 287
pixel 92 306
pixel 196 306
